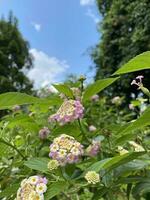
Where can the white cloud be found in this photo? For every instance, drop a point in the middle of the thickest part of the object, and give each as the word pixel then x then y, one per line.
pixel 36 26
pixel 92 15
pixel 46 69
pixel 86 2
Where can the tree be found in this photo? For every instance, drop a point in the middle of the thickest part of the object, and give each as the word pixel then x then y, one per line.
pixel 125 33
pixel 15 58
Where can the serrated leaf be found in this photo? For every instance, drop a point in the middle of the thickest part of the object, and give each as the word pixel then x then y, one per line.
pixel 55 189
pixel 97 87
pixel 138 63
pixel 39 164
pixel 62 88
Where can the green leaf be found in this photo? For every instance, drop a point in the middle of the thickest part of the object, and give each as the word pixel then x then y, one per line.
pixel 112 163
pixel 124 138
pixel 141 188
pixel 10 99
pixel 97 166
pixel 39 164
pixel 141 122
pixel 70 129
pixel 11 190
pixel 97 87
pixel 138 63
pixel 128 168
pixel 62 88
pixel 122 159
pixel 23 121
pixel 55 189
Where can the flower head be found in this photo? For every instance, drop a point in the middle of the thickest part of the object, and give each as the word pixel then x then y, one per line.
pixel 43 133
pixel 68 112
pixel 138 81
pixel 32 188
pixel 33 180
pixel 65 149
pixel 92 177
pixel 137 147
pixel 41 188
pixel 93 149
pixel 53 164
pixel 116 100
pixel 131 106
pixel 92 128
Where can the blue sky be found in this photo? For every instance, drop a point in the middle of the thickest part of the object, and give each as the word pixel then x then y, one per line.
pixel 60 32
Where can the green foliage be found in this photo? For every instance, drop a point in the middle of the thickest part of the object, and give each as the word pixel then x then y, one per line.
pixel 138 63
pixel 14 57
pixel 97 87
pixel 125 33
pixel 123 171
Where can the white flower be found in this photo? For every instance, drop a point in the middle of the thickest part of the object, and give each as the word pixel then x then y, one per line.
pixel 75 151
pixel 33 180
pixel 41 188
pixel 36 196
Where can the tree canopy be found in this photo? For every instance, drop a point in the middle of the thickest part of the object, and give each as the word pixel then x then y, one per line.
pixel 15 58
pixel 125 33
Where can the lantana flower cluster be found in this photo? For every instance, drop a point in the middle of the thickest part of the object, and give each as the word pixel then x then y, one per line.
pixel 65 149
pixel 69 111
pixel 32 188
pixel 92 177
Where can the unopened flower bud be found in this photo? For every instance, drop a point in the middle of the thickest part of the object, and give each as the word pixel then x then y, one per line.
pixel 16 108
pixel 92 128
pixel 43 133
pixel 53 164
pixel 92 177
pixel 82 78
pixel 95 98
pixel 93 149
pixel 116 100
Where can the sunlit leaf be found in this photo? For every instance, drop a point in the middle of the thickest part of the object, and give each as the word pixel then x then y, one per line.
pixel 138 63
pixel 97 87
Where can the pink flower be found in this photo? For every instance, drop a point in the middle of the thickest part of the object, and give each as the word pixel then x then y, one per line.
pixel 93 149
pixel 138 81
pixel 16 108
pixel 43 133
pixel 65 149
pixel 69 111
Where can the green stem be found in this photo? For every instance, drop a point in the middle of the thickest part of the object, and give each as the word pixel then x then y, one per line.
pixel 13 147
